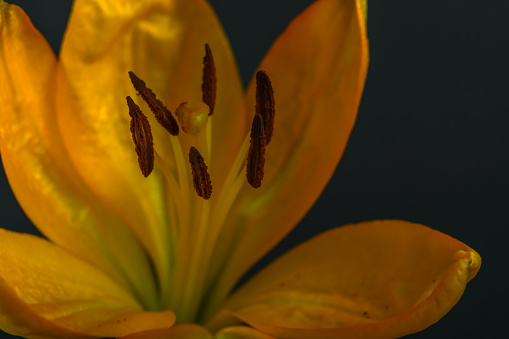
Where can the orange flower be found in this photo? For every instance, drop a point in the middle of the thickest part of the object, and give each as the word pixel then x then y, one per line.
pixel 129 256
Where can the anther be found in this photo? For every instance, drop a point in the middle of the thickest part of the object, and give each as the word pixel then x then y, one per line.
pixel 256 153
pixel 201 177
pixel 142 138
pixel 265 105
pixel 192 117
pixel 162 114
pixel 208 86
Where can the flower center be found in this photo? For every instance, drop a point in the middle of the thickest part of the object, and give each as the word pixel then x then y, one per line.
pixel 194 226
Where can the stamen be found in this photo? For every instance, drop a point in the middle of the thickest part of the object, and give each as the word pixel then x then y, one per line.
pixel 162 114
pixel 142 137
pixel 265 105
pixel 201 178
pixel 208 86
pixel 256 153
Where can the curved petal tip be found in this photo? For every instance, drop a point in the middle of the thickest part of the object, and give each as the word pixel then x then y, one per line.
pixel 380 279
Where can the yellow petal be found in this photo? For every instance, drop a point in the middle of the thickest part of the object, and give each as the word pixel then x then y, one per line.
pixel 241 332
pixel 163 42
pixel 317 68
pixel 381 279
pixel 40 172
pixel 183 331
pixel 57 295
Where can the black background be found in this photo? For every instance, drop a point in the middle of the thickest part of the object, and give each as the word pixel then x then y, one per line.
pixel 430 142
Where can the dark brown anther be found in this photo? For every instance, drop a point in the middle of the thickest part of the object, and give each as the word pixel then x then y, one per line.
pixel 162 114
pixel 201 178
pixel 142 137
pixel 265 104
pixel 256 153
pixel 209 80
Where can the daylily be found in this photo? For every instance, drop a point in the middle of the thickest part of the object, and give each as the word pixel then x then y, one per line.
pixel 136 257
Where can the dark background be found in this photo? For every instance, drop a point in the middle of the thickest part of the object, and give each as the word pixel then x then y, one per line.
pixel 430 142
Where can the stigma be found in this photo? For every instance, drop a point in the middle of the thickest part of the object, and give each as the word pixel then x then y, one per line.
pixel 194 119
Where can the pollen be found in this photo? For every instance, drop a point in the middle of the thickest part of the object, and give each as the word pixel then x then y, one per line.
pixel 209 80
pixel 162 114
pixel 261 129
pixel 192 117
pixel 201 177
pixel 256 154
pixel 265 104
pixel 142 138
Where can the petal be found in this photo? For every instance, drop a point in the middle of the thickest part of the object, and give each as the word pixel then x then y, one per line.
pixel 184 331
pixel 162 41
pixel 57 295
pixel 40 173
pixel 241 332
pixel 381 279
pixel 317 69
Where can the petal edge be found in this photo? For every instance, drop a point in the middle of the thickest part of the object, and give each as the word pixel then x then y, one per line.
pixel 400 279
pixel 58 295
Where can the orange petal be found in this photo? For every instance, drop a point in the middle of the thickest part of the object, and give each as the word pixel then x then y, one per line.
pixel 40 172
pixel 57 295
pixel 317 68
pixel 241 332
pixel 381 279
pixel 184 331
pixel 163 42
